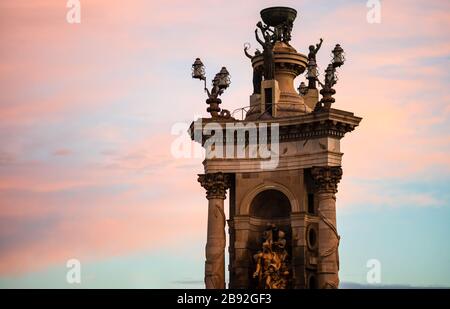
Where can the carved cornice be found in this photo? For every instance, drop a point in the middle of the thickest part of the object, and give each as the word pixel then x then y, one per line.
pixel 326 178
pixel 216 184
pixel 331 123
pixel 318 129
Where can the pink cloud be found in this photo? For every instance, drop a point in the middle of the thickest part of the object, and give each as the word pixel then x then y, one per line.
pixel 397 136
pixel 62 152
pixel 102 231
pixel 94 220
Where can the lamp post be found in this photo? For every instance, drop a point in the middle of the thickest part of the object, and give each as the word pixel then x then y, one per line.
pixel 331 78
pixel 198 70
pixel 220 82
pixel 338 56
pixel 224 78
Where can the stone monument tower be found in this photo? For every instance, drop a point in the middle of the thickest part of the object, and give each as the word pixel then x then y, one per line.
pixel 281 165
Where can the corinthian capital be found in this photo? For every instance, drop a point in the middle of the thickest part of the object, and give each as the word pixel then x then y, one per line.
pixel 326 178
pixel 216 184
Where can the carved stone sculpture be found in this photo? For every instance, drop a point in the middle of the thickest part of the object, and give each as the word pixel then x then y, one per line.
pixel 271 263
pixel 257 72
pixel 267 44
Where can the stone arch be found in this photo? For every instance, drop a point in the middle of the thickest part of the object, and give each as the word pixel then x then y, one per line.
pixel 263 204
pixel 244 208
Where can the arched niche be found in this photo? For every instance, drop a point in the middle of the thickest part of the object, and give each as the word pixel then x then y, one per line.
pixel 245 203
pixel 267 207
pixel 270 205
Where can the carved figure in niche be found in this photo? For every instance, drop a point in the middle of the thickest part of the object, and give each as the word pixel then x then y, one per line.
pixel 271 263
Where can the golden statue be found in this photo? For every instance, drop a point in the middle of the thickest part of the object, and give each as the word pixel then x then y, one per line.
pixel 271 269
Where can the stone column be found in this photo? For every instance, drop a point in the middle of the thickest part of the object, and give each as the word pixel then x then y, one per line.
pixel 216 185
pixel 326 180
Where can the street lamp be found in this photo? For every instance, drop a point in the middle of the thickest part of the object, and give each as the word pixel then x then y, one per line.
pixel 331 78
pixel 338 56
pixel 220 82
pixel 198 69
pixel 224 80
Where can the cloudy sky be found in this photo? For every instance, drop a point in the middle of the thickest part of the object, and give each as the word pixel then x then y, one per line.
pixel 86 113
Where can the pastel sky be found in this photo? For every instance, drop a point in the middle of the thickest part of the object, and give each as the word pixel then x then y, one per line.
pixel 86 113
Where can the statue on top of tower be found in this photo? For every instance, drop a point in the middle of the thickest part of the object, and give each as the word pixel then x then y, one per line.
pixel 313 50
pixel 257 72
pixel 267 44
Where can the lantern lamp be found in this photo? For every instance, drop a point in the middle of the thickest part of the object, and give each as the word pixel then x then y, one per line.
pixel 223 78
pixel 338 56
pixel 198 70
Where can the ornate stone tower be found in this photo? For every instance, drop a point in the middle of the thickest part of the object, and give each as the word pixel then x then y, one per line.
pixel 281 164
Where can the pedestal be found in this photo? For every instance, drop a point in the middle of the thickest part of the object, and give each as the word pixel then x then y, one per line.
pixel 270 96
pixel 311 98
